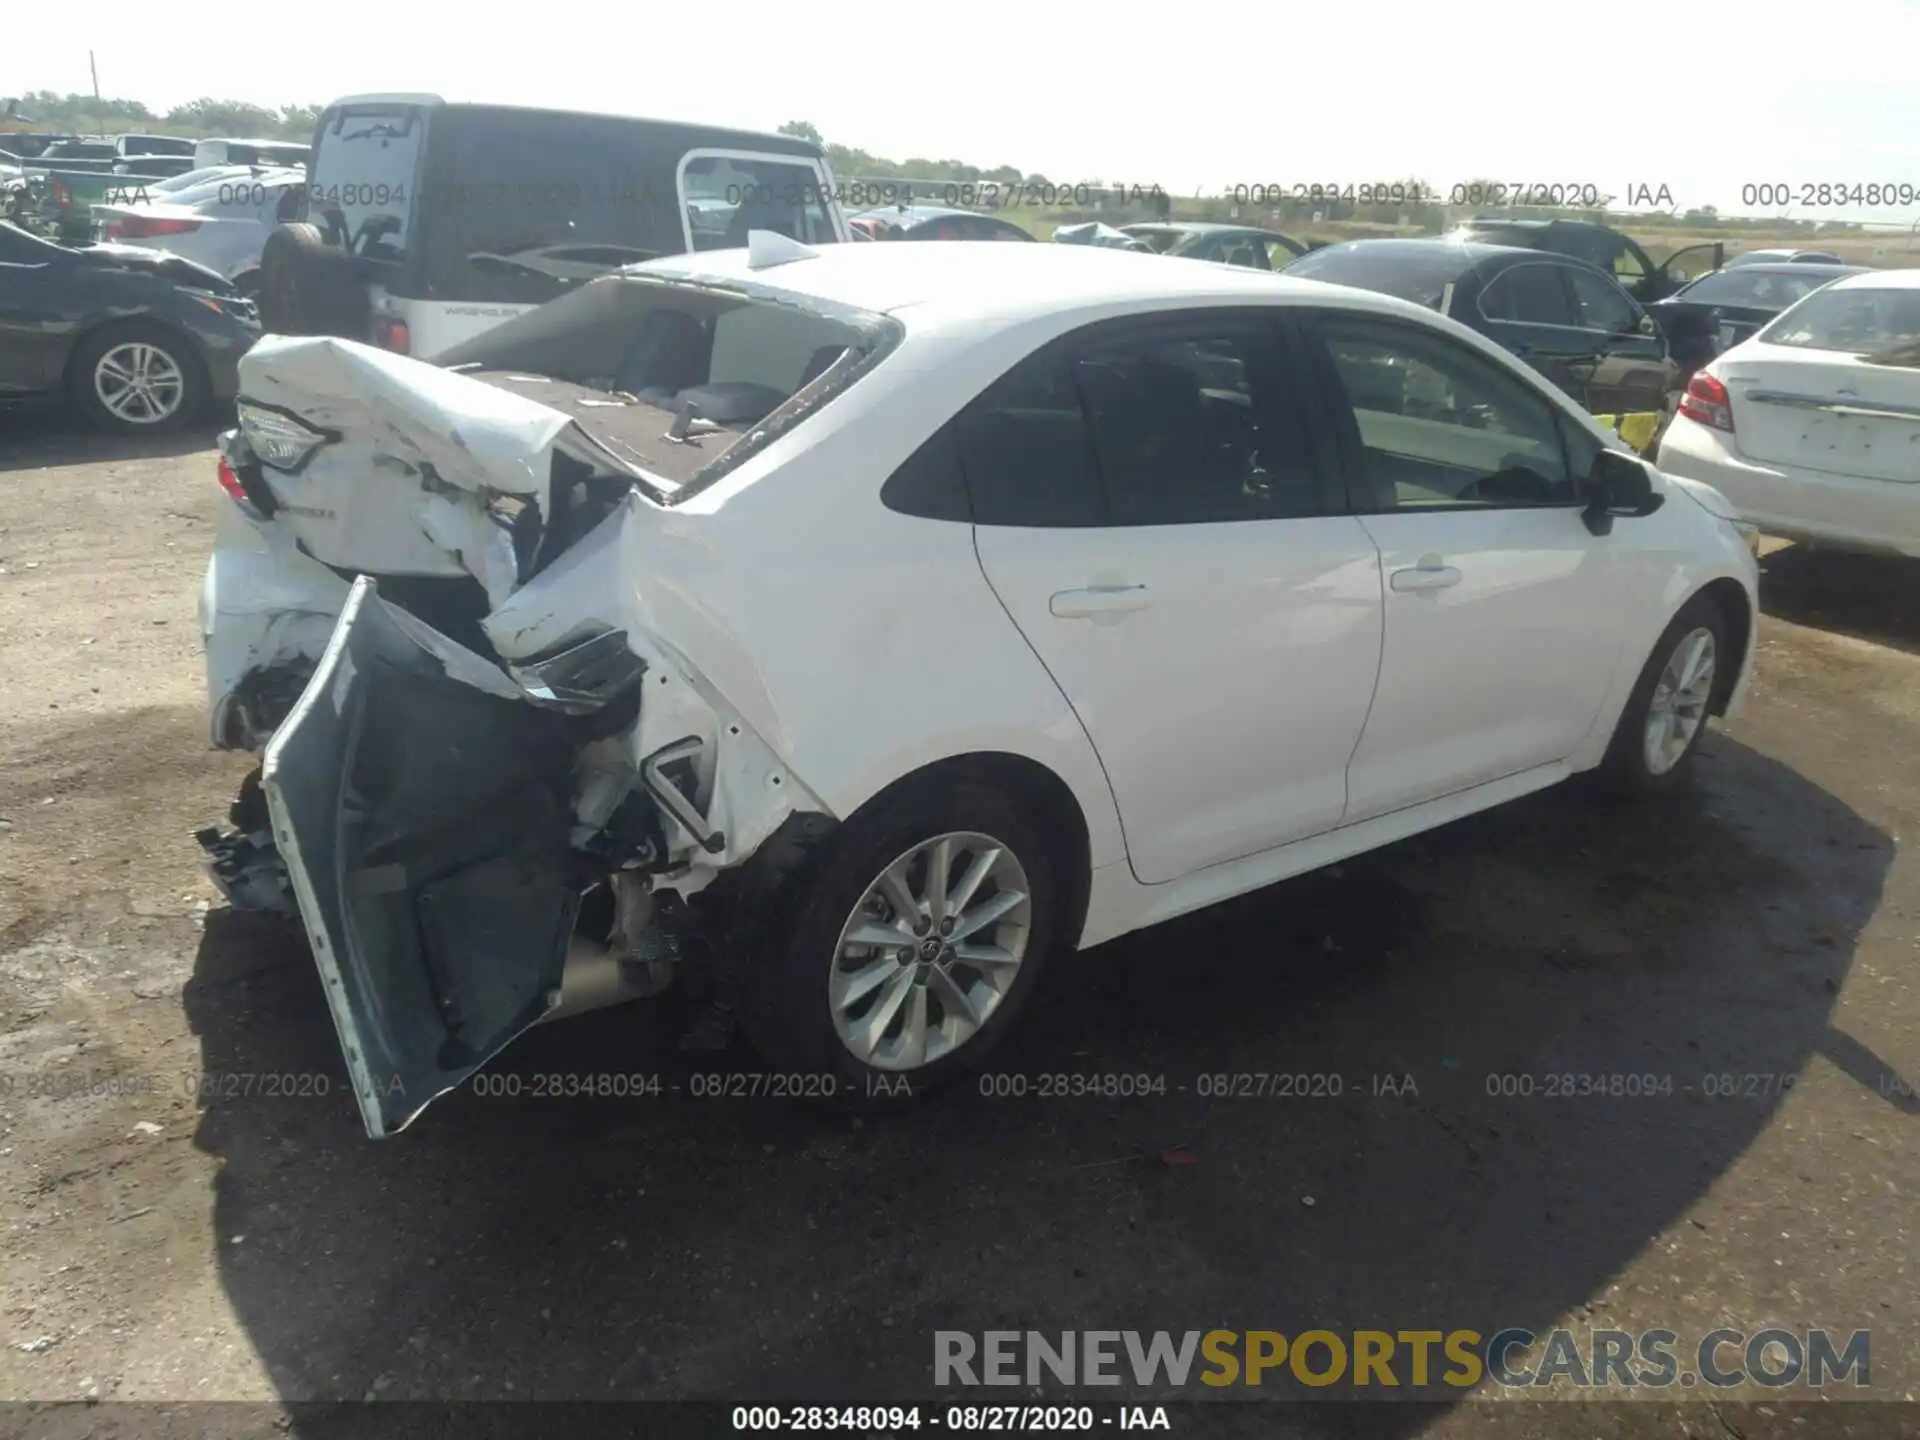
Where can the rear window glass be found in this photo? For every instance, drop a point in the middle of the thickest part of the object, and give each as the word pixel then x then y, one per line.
pixel 1760 289
pixel 362 179
pixel 1879 323
pixel 1417 274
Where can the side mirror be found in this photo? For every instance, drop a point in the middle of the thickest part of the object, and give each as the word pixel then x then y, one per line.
pixel 1618 485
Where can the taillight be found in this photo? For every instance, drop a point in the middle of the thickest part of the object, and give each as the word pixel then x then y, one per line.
pixel 62 195
pixel 145 227
pixel 230 483
pixel 393 335
pixel 1707 401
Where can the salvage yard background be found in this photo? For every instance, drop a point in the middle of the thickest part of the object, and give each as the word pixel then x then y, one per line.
pixel 188 1241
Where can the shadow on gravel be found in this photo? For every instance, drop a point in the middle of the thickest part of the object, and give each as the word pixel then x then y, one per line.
pixel 34 436
pixel 1873 597
pixel 682 1247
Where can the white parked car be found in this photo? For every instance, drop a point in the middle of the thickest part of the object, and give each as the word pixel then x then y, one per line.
pixel 891 617
pixel 222 222
pixel 1812 427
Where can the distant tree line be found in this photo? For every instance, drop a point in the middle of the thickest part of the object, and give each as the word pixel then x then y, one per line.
pixel 49 110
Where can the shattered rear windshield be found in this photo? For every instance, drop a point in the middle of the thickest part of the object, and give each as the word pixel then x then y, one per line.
pixel 681 380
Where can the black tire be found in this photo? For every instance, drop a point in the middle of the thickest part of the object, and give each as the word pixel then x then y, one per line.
pixel 785 1011
pixel 1627 770
pixel 82 368
pixel 307 287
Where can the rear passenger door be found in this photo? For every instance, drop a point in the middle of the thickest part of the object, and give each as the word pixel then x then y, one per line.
pixel 1503 612
pixel 1151 510
pixel 1529 308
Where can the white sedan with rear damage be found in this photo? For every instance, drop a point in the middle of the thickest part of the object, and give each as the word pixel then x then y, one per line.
pixel 1812 427
pixel 847 631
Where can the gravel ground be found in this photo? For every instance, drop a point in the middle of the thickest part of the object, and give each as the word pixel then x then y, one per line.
pixel 211 1237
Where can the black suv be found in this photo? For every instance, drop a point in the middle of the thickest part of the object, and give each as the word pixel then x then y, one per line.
pixel 425 222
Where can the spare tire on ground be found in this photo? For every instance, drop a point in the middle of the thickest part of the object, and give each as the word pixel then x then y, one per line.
pixel 308 287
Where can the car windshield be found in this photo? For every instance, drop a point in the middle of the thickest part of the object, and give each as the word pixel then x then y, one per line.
pixel 1879 323
pixel 1755 288
pixel 363 177
pixel 1417 273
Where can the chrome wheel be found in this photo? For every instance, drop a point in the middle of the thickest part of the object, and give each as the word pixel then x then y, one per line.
pixel 139 383
pixel 930 951
pixel 1678 707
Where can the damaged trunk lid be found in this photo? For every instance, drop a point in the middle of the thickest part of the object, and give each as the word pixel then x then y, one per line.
pixel 422 809
pixel 381 465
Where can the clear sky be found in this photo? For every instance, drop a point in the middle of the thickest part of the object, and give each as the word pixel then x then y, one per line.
pixel 1699 98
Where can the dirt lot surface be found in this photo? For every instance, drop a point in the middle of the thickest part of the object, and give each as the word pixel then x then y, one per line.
pixel 175 1226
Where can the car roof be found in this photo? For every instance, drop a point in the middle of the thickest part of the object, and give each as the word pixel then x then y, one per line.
pixel 918 214
pixel 1784 267
pixel 1199 227
pixel 1471 252
pixel 1904 279
pixel 968 278
pixel 770 141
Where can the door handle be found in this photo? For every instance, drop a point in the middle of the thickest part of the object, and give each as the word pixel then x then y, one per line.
pixel 1430 574
pixel 1102 604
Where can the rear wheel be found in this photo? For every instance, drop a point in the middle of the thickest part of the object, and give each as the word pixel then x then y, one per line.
pixel 137 378
pixel 913 948
pixel 1665 716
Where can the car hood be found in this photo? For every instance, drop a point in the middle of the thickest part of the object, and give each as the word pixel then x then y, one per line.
pixel 109 255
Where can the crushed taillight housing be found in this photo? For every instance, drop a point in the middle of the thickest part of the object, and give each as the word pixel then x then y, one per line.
pixel 230 482
pixel 1707 402
pixel 145 227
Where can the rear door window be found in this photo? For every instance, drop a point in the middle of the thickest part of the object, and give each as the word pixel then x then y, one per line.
pixel 1197 426
pixel 1026 450
pixel 1529 294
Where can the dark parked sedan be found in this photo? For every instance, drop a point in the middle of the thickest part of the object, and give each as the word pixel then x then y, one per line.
pixel 1245 245
pixel 1718 311
pixel 1568 320
pixel 933 222
pixel 138 339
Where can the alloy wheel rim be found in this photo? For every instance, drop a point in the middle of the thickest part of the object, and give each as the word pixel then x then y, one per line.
pixel 1679 705
pixel 139 383
pixel 930 951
